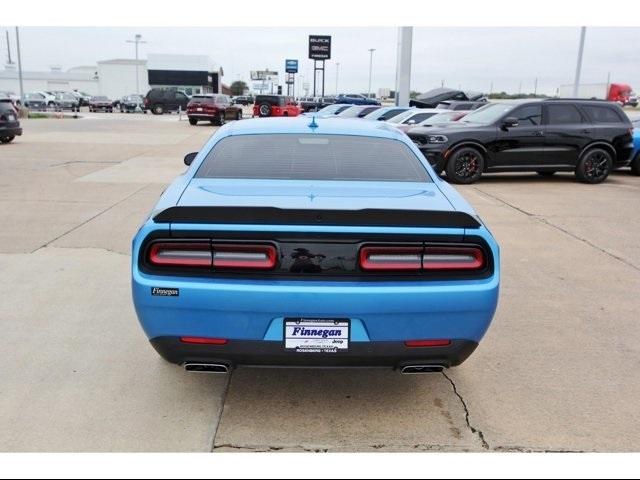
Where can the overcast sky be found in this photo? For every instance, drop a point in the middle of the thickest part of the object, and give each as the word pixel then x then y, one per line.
pixel 471 58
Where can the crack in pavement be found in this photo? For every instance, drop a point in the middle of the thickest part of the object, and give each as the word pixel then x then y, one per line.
pixel 92 218
pixel 219 420
pixel 476 431
pixel 543 220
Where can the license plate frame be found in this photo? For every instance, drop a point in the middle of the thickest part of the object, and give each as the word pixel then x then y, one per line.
pixel 307 338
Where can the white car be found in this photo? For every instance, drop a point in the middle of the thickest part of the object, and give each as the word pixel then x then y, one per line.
pixel 414 116
pixel 49 98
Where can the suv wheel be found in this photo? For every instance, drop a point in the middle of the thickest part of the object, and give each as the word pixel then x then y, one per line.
pixel 264 110
pixel 465 166
pixel 594 166
pixel 635 165
pixel 193 121
pixel 7 139
pixel 219 120
pixel 239 115
pixel 158 109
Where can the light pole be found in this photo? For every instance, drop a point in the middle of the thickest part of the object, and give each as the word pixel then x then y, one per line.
pixel 19 66
pixel 337 72
pixel 371 50
pixel 137 41
pixel 576 81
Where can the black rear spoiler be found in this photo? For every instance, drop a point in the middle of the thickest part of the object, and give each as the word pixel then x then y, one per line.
pixel 368 217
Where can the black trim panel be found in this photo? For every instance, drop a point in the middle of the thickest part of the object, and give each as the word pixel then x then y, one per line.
pixel 369 217
pixel 272 353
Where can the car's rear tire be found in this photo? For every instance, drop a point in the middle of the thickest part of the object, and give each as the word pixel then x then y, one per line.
pixel 239 115
pixel 548 173
pixel 158 109
pixel 465 166
pixel 594 166
pixel 219 120
pixel 7 139
pixel 193 121
pixel 264 110
pixel 635 165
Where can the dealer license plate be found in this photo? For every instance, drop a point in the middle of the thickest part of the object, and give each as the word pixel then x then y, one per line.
pixel 316 335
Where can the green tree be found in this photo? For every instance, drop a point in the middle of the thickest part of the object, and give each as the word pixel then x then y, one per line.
pixel 238 87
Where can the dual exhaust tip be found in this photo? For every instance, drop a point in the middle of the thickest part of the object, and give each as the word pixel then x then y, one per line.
pixel 224 368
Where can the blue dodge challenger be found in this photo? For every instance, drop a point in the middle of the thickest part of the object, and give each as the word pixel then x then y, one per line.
pixel 315 243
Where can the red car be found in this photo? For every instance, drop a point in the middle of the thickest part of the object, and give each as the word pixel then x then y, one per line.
pixel 214 108
pixel 275 106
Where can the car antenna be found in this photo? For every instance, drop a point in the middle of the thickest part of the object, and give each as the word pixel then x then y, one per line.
pixel 313 123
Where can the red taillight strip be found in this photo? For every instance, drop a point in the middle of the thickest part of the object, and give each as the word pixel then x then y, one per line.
pixel 427 343
pixel 181 254
pixel 204 341
pixel 452 258
pixel 261 257
pixel 391 258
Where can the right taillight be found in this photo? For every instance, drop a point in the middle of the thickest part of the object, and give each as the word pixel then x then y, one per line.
pixel 418 258
pixel 452 258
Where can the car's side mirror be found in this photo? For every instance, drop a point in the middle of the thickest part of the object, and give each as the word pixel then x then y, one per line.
pixel 510 122
pixel 189 157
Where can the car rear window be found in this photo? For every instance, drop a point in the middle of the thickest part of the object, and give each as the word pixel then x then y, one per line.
pixel 312 157
pixel 6 107
pixel 603 114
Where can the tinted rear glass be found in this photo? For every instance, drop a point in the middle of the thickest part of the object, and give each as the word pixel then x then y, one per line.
pixel 563 114
pixel 602 114
pixel 312 157
pixel 6 107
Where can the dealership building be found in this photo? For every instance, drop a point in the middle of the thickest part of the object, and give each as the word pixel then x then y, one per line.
pixel 118 77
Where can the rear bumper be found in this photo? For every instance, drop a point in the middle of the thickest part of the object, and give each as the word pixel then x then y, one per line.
pixel 10 131
pixel 202 115
pixel 272 353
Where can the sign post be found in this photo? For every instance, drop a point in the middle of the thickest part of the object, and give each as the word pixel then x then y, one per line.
pixel 291 68
pixel 319 50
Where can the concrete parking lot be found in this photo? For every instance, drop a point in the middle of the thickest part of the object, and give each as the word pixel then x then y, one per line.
pixel 557 371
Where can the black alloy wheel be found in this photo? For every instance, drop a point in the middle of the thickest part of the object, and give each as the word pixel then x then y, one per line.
pixel 594 166
pixel 465 166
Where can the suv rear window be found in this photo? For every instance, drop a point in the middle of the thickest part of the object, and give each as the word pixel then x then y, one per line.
pixel 312 157
pixel 270 99
pixel 6 107
pixel 602 114
pixel 563 114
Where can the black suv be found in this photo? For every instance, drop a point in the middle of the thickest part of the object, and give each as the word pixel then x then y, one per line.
pixel 9 123
pixel 161 100
pixel 588 137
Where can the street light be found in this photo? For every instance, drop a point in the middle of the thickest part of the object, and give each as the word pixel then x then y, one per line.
pixel 337 70
pixel 137 40
pixel 371 50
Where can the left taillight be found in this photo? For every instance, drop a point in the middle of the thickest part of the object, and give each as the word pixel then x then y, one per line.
pixel 216 256
pixel 181 254
pixel 419 258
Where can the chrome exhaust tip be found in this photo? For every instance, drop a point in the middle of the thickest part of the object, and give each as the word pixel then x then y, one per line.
pixel 206 367
pixel 417 369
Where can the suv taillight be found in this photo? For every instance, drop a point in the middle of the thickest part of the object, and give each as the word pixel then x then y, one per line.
pixel 418 258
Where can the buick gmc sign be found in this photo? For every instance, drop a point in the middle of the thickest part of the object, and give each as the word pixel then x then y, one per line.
pixel 320 47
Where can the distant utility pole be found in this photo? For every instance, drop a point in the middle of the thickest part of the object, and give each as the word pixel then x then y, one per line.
pixel 137 40
pixel 491 89
pixel 337 71
pixel 371 50
pixel 576 81
pixel 19 65
pixel 9 61
pixel 535 87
